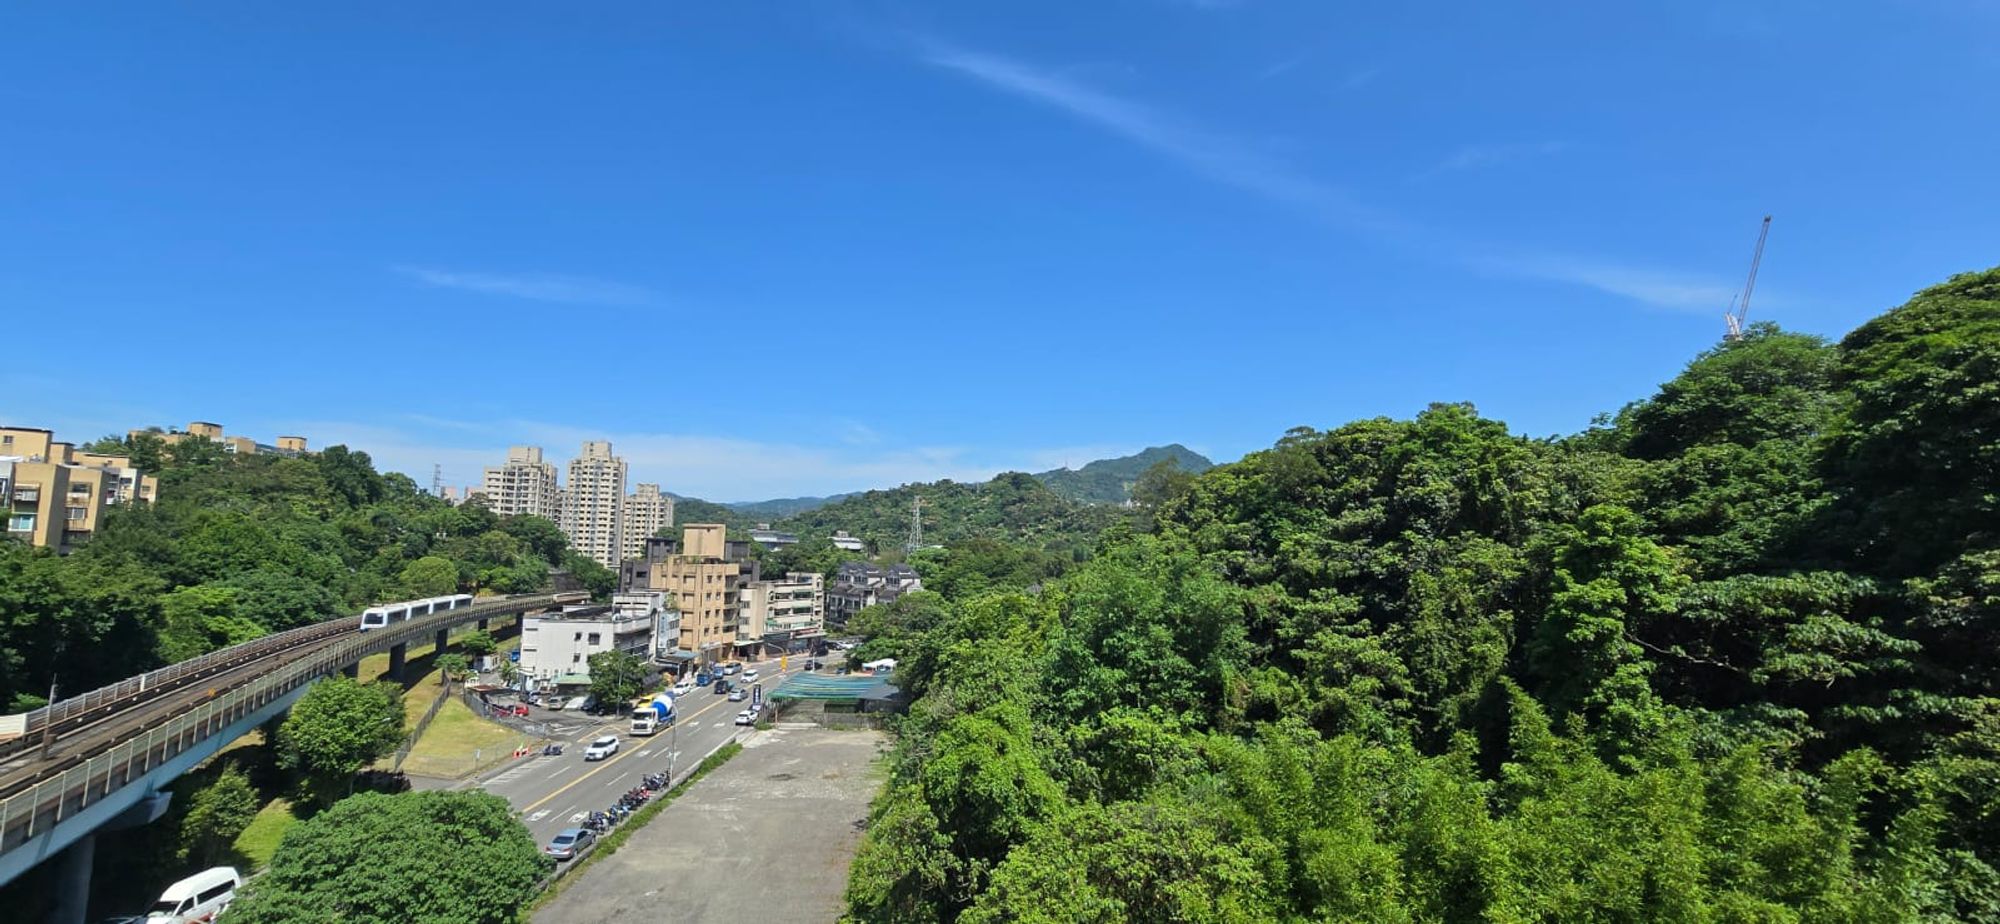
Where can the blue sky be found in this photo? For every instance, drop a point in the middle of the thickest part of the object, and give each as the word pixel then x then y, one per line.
pixel 774 249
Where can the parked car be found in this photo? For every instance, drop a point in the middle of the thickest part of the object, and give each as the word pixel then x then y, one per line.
pixel 569 842
pixel 746 717
pixel 750 676
pixel 601 748
pixel 737 696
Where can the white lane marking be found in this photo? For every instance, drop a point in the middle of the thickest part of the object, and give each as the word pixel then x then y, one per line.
pixel 565 768
pixel 645 752
pixel 538 816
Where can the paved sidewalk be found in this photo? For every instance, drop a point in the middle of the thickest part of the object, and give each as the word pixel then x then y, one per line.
pixel 767 838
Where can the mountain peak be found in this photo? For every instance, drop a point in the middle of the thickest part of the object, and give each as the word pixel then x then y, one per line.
pixel 1109 481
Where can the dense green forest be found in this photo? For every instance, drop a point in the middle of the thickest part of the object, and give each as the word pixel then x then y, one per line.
pixel 240 546
pixel 1110 481
pixel 1013 507
pixel 1726 656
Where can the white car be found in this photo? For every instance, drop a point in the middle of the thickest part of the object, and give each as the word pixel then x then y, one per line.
pixel 601 748
pixel 746 717
pixel 750 676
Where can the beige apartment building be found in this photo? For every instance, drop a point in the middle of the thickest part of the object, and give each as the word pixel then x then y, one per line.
pixel 55 495
pixel 236 445
pixel 524 485
pixel 647 511
pixel 777 612
pixel 703 576
pixel 594 506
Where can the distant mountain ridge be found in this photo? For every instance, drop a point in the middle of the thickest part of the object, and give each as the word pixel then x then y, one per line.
pixel 1109 481
pixel 780 508
pixel 1104 481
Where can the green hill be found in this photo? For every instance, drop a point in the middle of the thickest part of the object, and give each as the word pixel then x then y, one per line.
pixel 1014 506
pixel 1109 481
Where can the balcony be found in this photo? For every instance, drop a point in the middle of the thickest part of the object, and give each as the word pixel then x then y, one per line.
pixel 27 494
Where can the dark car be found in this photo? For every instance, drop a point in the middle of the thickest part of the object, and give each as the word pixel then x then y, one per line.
pixel 722 686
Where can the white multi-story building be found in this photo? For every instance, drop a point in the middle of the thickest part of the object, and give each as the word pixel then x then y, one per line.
pixel 594 507
pixel 647 511
pixel 777 613
pixel 556 650
pixel 666 619
pixel 524 485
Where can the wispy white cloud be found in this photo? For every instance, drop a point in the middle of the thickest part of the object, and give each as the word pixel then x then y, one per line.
pixel 1276 68
pixel 1226 160
pixel 533 286
pixel 1674 291
pixel 1209 153
pixel 1475 155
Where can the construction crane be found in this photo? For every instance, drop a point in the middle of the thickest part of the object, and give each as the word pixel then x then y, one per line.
pixel 1739 306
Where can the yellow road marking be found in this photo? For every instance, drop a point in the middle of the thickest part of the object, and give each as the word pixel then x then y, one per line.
pixel 606 764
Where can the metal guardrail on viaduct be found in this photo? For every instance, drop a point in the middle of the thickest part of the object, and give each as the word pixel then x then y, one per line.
pixel 72 765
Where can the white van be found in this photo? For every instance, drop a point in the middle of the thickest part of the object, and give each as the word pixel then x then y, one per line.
pixel 198 898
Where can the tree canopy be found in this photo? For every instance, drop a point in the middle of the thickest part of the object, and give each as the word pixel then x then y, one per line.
pixel 406 858
pixel 1724 656
pixel 338 727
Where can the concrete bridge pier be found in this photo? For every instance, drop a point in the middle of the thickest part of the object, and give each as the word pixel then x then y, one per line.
pixel 75 864
pixel 443 636
pixel 351 671
pixel 73 868
pixel 396 653
pixel 482 625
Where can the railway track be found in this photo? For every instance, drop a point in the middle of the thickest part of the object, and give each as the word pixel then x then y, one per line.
pixel 69 740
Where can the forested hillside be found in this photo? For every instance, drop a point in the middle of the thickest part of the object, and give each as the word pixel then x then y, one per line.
pixel 1012 507
pixel 1727 657
pixel 239 546
pixel 1110 481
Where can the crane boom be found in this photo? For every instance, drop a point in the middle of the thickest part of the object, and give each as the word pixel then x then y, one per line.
pixel 1740 311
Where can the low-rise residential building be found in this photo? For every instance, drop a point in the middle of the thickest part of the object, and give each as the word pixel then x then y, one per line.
pixel 858 585
pixel 770 538
pixel 846 543
pixel 236 445
pixel 556 649
pixel 652 605
pixel 781 615
pixel 54 495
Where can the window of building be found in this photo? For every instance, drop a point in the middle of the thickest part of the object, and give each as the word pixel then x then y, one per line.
pixel 22 522
pixel 595 638
pixel 75 513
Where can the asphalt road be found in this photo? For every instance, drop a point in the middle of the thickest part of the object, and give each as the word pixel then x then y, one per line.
pixel 548 791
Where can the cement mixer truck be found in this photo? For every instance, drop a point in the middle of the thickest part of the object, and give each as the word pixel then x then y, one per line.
pixel 651 715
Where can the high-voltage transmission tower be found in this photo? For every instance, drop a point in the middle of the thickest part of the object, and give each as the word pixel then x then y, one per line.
pixel 916 526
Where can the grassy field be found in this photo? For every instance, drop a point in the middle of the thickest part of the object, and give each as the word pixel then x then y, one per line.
pixel 459 742
pixel 260 840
